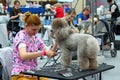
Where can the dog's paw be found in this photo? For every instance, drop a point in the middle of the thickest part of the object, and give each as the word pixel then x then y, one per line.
pixel 93 67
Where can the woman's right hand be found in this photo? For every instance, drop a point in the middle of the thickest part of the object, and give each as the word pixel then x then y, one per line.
pixel 50 53
pixel 19 14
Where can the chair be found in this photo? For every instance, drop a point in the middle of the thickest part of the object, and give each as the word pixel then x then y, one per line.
pixel 3 35
pixel 6 61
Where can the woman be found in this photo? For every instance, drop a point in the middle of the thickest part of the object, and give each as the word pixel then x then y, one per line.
pixel 113 9
pixel 27 47
pixel 84 15
pixel 14 15
pixel 69 17
pixel 59 11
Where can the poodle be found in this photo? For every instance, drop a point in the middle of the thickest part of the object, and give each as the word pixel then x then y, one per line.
pixel 86 45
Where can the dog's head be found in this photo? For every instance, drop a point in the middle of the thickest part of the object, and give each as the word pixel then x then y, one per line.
pixel 58 23
pixel 60 29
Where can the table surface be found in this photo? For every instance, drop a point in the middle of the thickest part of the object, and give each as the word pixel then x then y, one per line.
pixel 76 75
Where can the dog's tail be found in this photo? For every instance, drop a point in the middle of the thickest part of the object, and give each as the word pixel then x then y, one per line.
pixel 92 47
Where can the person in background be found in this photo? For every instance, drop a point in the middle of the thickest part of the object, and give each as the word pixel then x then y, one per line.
pixel 48 14
pixel 84 15
pixel 113 9
pixel 27 46
pixel 69 17
pixel 15 13
pixel 115 13
pixel 58 11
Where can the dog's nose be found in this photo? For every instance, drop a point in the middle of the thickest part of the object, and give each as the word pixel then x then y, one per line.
pixel 51 30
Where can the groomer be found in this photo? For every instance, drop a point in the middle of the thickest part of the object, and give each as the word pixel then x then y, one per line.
pixel 113 9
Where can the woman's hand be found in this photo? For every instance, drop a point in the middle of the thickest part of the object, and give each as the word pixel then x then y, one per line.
pixel 50 53
pixel 19 14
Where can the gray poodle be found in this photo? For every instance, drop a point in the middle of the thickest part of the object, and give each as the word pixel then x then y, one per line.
pixel 86 45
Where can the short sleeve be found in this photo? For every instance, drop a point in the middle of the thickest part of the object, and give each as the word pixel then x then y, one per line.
pixel 19 38
pixel 113 8
pixel 80 16
pixel 21 45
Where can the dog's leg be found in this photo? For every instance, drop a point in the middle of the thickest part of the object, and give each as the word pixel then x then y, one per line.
pixel 66 57
pixel 81 56
pixel 93 60
pixel 82 59
pixel 83 63
pixel 93 63
pixel 92 51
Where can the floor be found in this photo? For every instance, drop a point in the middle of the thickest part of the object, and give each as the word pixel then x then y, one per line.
pixel 112 74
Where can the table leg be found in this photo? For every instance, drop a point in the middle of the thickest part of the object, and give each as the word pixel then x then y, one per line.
pixel 102 44
pixel 84 78
pixel 37 77
pixel 100 76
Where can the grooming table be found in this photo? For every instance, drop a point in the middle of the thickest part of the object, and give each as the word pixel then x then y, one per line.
pixel 76 75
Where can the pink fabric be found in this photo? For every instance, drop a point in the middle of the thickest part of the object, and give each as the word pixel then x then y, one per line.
pixel 33 45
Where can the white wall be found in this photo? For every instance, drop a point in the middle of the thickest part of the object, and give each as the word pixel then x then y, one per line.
pixel 22 2
pixel 80 5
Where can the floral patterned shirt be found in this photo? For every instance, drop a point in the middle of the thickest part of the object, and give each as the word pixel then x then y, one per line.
pixel 32 45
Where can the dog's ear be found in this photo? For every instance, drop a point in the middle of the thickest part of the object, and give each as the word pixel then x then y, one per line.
pixel 58 23
pixel 52 34
pixel 62 33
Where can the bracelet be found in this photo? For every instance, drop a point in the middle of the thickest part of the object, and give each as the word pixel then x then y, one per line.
pixel 43 53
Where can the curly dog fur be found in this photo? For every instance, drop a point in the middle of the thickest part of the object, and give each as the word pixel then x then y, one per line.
pixel 86 45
